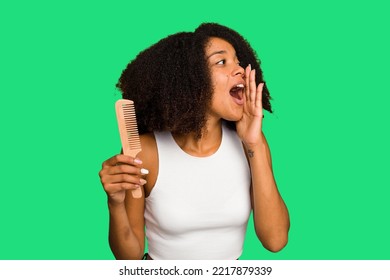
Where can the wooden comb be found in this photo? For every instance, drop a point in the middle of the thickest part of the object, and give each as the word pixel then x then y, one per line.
pixel 128 131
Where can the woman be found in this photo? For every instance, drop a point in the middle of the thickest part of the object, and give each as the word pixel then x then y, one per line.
pixel 205 163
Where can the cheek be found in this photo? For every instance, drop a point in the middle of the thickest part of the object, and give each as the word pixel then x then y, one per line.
pixel 220 81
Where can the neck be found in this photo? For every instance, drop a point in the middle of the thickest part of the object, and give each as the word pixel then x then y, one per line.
pixel 205 146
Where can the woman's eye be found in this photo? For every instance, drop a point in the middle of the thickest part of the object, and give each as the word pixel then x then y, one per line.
pixel 221 62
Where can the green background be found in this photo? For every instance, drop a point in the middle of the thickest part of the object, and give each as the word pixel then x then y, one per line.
pixel 326 64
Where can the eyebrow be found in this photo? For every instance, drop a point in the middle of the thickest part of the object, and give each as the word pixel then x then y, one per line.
pixel 217 52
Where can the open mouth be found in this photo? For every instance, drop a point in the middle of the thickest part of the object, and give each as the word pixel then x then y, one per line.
pixel 237 93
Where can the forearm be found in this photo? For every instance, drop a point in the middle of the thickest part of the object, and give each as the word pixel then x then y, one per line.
pixel 270 213
pixel 123 240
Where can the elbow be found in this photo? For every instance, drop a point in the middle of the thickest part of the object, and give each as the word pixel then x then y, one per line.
pixel 275 246
pixel 119 255
pixel 123 251
pixel 275 242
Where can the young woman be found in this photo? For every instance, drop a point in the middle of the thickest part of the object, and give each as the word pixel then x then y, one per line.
pixel 205 163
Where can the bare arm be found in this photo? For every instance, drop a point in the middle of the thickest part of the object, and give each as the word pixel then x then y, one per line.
pixel 119 176
pixel 126 233
pixel 270 213
pixel 271 217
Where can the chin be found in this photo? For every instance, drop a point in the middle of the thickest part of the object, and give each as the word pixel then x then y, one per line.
pixel 233 118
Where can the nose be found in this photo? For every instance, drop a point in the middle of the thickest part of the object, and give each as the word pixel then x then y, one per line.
pixel 239 71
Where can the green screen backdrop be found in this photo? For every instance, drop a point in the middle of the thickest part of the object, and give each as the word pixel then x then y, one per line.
pixel 326 64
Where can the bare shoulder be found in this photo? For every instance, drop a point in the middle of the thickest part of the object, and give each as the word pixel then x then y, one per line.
pixel 149 148
pixel 149 157
pixel 148 139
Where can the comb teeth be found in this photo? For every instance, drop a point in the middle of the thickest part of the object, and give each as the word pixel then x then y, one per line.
pixel 128 129
pixel 131 126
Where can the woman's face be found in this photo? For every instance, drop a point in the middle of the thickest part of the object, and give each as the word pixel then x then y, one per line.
pixel 227 78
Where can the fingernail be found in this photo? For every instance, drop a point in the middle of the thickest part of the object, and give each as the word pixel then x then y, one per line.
pixel 144 171
pixel 137 161
pixel 142 181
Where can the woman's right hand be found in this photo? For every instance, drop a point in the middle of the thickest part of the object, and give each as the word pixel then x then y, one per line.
pixel 119 174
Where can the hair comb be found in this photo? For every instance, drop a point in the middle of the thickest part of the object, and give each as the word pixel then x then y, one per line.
pixel 128 131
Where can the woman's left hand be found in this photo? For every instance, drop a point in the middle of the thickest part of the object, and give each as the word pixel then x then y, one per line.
pixel 250 125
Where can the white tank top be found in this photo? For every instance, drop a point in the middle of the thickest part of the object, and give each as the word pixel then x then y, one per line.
pixel 199 206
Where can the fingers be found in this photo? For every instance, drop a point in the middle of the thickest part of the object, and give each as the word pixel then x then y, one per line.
pixel 125 168
pixel 123 178
pixel 122 172
pixel 259 96
pixel 253 93
pixel 252 85
pixel 121 159
pixel 115 188
pixel 248 71
pixel 120 182
pixel 115 182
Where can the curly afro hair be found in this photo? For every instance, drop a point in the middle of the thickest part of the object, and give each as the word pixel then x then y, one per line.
pixel 170 82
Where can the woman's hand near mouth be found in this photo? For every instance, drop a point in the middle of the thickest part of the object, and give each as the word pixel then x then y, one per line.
pixel 250 126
